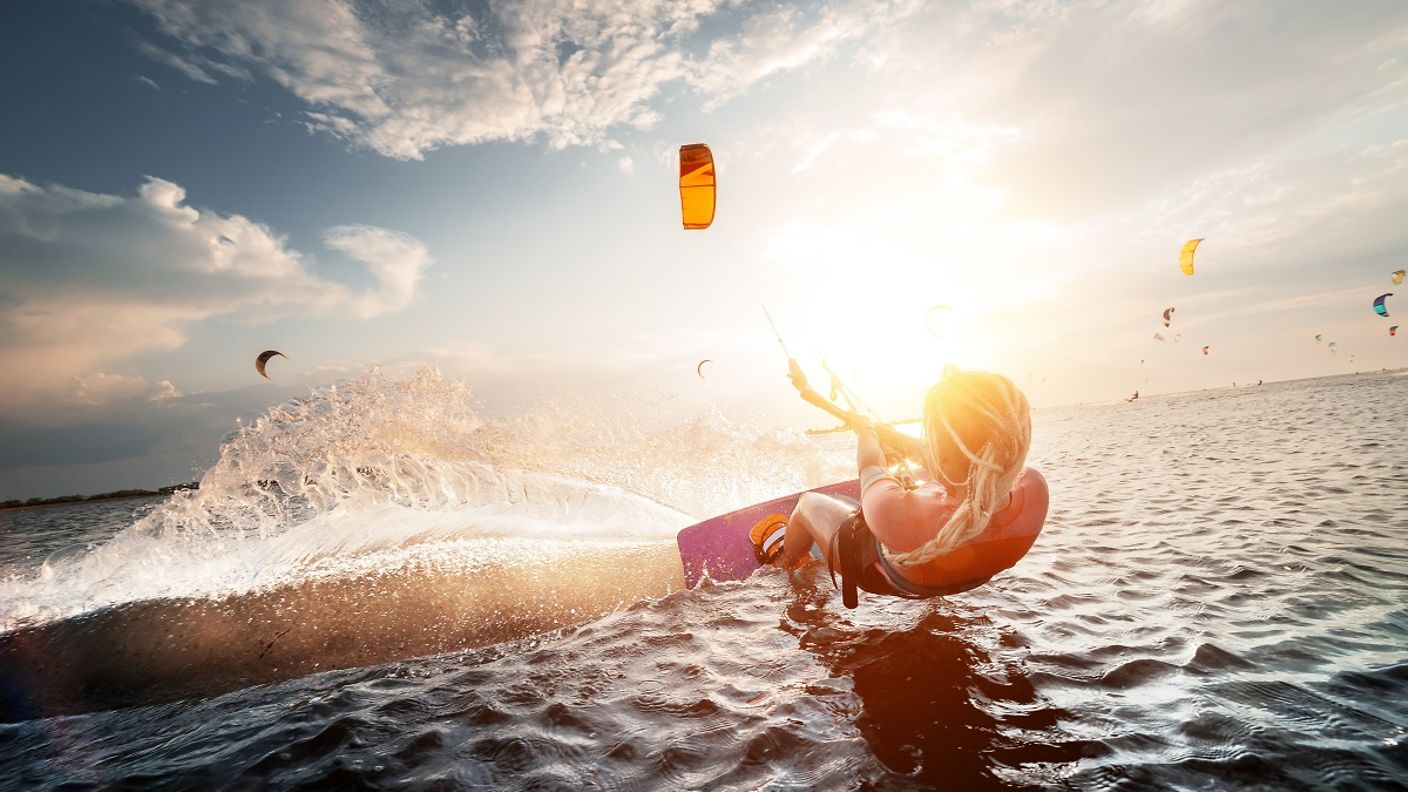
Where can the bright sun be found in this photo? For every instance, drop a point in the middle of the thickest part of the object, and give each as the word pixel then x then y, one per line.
pixel 890 300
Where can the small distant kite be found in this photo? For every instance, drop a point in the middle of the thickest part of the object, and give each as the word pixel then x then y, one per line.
pixel 264 358
pixel 1379 307
pixel 1185 257
pixel 1393 331
pixel 1397 277
pixel 1205 351
pixel 1168 316
pixel 1332 347
pixel 1317 338
pixel 936 317
pixel 1159 337
pixel 697 186
pixel 699 369
pixel 1176 337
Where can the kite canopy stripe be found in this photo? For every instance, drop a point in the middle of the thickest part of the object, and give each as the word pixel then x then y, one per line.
pixel 1379 307
pixel 1185 258
pixel 697 185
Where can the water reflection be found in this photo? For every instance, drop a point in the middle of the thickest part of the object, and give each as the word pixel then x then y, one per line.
pixel 936 705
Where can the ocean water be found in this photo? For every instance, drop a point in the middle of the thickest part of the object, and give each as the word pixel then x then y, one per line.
pixel 1219 601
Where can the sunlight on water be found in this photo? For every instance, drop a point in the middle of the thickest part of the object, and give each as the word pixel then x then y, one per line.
pixel 1217 601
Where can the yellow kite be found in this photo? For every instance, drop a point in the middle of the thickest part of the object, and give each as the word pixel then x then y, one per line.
pixel 1185 258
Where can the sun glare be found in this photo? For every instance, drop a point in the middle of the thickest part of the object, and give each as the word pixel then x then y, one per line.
pixel 886 310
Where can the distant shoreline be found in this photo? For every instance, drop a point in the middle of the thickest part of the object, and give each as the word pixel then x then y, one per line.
pixel 69 500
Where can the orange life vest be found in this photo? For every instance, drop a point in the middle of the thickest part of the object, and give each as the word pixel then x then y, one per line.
pixel 1001 545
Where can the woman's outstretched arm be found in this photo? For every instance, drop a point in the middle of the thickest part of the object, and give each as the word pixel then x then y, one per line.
pixel 911 447
pixel 869 451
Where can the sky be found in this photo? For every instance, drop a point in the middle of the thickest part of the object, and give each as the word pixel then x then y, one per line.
pixel 491 189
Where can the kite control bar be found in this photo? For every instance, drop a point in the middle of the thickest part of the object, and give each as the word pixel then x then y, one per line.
pixel 799 381
pixel 809 394
pixel 894 453
pixel 799 378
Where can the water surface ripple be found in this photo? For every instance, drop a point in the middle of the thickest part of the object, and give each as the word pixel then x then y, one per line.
pixel 1219 601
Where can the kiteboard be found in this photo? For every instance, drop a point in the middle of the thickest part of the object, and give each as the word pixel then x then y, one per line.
pixel 720 549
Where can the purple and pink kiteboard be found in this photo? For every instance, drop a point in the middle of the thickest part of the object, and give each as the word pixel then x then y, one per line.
pixel 721 549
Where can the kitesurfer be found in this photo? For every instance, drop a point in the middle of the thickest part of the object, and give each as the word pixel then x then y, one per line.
pixel 979 514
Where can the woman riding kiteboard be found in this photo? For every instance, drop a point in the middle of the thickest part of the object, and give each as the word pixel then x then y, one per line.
pixel 978 514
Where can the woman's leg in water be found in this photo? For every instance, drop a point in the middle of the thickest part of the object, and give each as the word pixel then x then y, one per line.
pixel 813 521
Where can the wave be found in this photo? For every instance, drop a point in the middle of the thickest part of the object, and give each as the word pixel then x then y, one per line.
pixel 373 473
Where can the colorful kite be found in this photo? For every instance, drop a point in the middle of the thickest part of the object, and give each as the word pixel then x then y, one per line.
pixel 1379 307
pixel 1185 257
pixel 1205 351
pixel 1168 316
pixel 1393 331
pixel 1397 277
pixel 697 185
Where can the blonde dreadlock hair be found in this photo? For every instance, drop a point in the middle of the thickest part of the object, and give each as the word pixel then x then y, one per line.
pixel 987 419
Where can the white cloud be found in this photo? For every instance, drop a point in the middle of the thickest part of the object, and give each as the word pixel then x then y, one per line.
pixel 397 261
pixel 89 280
pixel 180 64
pixel 102 389
pixel 1269 128
pixel 149 82
pixel 781 40
pixel 1115 102
pixel 627 165
pixel 405 79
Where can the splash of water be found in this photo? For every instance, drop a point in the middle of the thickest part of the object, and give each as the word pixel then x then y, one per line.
pixel 373 474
